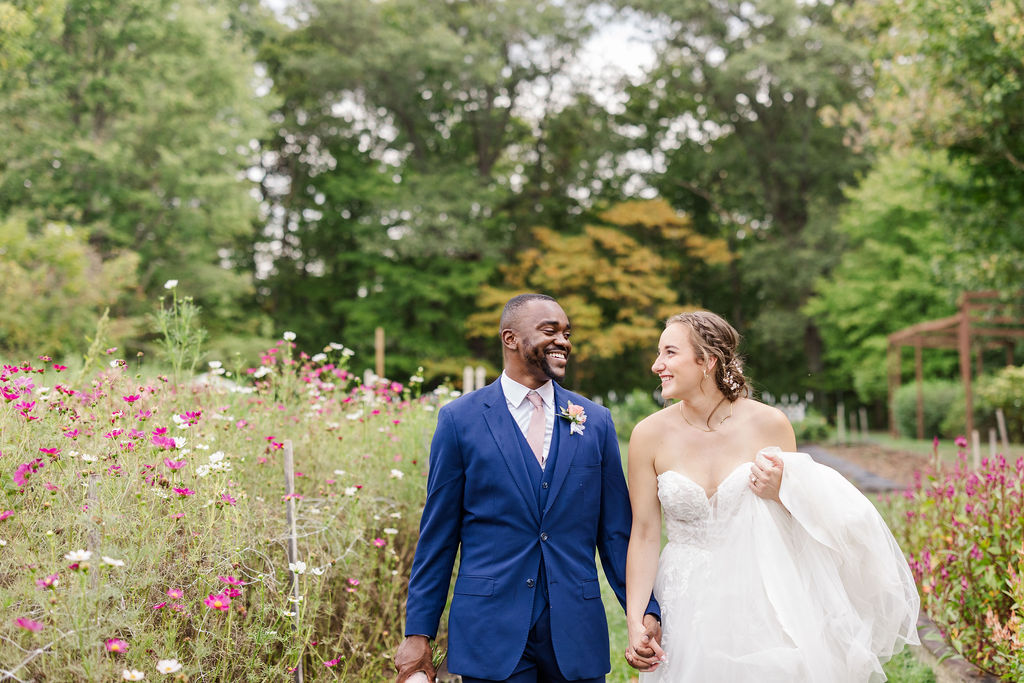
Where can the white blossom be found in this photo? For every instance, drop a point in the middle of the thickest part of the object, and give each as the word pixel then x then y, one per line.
pixel 297 567
pixel 170 284
pixel 288 336
pixel 78 556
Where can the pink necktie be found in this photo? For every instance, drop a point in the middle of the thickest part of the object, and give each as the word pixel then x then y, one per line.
pixel 535 432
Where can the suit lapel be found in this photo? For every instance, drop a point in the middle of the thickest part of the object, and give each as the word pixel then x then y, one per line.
pixel 567 445
pixel 501 425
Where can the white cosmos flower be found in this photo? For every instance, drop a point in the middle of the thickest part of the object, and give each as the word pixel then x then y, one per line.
pixel 170 284
pixel 78 556
pixel 214 364
pixel 216 456
pixel 319 357
pixel 317 571
pixel 132 675
pixel 202 470
pixel 112 562
pixel 351 491
pixel 89 458
pixel 261 371
pixel 179 441
pixel 168 666
pixel 297 567
pixel 397 474
pixel 390 532
pixel 288 336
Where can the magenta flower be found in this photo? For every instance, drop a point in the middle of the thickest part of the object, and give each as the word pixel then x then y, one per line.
pixel 71 433
pixel 232 592
pixel 230 580
pixel 379 542
pixel 175 464
pixel 961 442
pixel 219 601
pixel 50 451
pixel 116 645
pixel 28 624
pixel 175 593
pixel 50 581
pixel 331 662
pixel 227 499
pixel 5 514
pixel 160 605
pixel 132 398
pixel 183 492
pixel 159 431
pixel 58 368
pixel 164 442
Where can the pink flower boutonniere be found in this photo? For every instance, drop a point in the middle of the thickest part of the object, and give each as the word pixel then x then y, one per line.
pixel 576 417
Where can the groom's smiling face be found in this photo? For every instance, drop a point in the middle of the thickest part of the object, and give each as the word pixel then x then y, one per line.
pixel 542 343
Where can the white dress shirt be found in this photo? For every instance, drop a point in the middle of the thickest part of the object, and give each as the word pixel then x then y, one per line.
pixel 521 409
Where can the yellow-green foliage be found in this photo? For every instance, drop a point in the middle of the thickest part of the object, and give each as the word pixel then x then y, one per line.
pixel 184 485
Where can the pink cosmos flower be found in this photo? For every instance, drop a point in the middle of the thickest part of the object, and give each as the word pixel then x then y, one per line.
pixel 5 514
pixel 175 593
pixel 131 398
pixel 183 492
pixel 159 431
pixel 227 499
pixel 219 601
pixel 116 645
pixel 50 581
pixel 379 542
pixel 28 624
pixel 71 433
pixel 160 605
pixel 230 580
pixel 175 464
pixel 232 592
pixel 50 451
pixel 961 442
pixel 164 442
pixel 353 582
pixel 331 662
pixel 59 368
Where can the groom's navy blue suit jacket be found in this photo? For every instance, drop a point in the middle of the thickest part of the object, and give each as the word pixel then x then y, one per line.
pixel 483 500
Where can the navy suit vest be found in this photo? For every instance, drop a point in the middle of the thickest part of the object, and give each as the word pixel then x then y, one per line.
pixel 540 479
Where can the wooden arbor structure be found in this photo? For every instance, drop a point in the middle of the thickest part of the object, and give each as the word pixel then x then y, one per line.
pixel 986 320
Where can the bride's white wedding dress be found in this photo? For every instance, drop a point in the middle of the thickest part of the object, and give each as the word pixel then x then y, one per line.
pixel 749 591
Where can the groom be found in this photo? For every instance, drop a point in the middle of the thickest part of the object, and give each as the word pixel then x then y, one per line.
pixel 527 494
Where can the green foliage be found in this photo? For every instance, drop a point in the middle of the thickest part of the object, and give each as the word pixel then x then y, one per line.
pixel 612 282
pixel 812 429
pixel 939 396
pixel 630 409
pixel 893 272
pixel 181 335
pixel 54 286
pixel 733 104
pixel 1004 390
pixel 133 122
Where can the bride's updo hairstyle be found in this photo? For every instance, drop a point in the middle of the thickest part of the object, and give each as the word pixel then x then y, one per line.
pixel 713 337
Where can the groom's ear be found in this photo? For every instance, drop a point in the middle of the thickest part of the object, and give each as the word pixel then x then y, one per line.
pixel 509 339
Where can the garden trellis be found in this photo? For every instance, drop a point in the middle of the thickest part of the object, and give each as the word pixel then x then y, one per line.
pixel 987 319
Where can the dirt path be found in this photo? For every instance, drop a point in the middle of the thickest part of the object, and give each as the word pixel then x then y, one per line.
pixel 899 466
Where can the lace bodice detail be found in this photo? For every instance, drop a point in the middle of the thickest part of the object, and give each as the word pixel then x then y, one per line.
pixel 689 513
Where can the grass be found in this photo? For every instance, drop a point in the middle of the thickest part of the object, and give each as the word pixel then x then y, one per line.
pixel 947 448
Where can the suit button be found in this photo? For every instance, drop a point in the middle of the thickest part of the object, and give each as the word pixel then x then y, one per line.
pixel 543 537
pixel 544 485
pixel 530 582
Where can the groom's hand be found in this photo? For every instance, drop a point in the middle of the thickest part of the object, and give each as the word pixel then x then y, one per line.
pixel 647 654
pixel 413 655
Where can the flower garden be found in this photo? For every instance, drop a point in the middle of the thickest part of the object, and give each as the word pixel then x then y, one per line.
pixel 143 525
pixel 961 529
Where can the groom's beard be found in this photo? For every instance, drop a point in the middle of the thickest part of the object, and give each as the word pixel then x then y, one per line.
pixel 537 357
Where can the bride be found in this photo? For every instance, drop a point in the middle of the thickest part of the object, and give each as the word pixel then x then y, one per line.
pixel 776 568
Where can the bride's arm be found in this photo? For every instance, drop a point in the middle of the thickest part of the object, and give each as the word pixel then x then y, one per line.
pixel 644 541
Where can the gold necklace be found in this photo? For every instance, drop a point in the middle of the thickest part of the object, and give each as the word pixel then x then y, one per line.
pixel 705 429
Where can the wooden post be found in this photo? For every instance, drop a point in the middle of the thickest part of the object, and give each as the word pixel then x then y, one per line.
pixel 862 412
pixel 919 380
pixel 467 379
pixel 293 550
pixel 841 423
pixel 378 346
pixel 1003 436
pixel 481 377
pixel 893 361
pixel 992 443
pixel 964 345
pixel 94 534
pixel 853 425
pixel 976 444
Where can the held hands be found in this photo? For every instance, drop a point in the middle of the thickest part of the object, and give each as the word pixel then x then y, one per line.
pixel 766 476
pixel 644 651
pixel 414 661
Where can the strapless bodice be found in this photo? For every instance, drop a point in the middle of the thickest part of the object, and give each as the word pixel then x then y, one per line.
pixel 687 509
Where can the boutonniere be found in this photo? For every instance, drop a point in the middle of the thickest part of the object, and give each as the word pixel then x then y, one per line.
pixel 576 417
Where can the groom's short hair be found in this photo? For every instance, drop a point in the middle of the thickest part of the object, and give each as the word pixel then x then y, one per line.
pixel 510 314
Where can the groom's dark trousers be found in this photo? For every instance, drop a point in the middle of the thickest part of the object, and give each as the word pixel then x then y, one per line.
pixel 527 601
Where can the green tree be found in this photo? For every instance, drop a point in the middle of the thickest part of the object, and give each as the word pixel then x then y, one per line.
pixel 894 271
pixel 731 114
pixel 135 121
pixel 614 284
pixel 55 286
pixel 415 141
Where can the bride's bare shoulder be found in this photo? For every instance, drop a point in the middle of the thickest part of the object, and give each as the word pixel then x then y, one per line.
pixel 771 424
pixel 651 426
